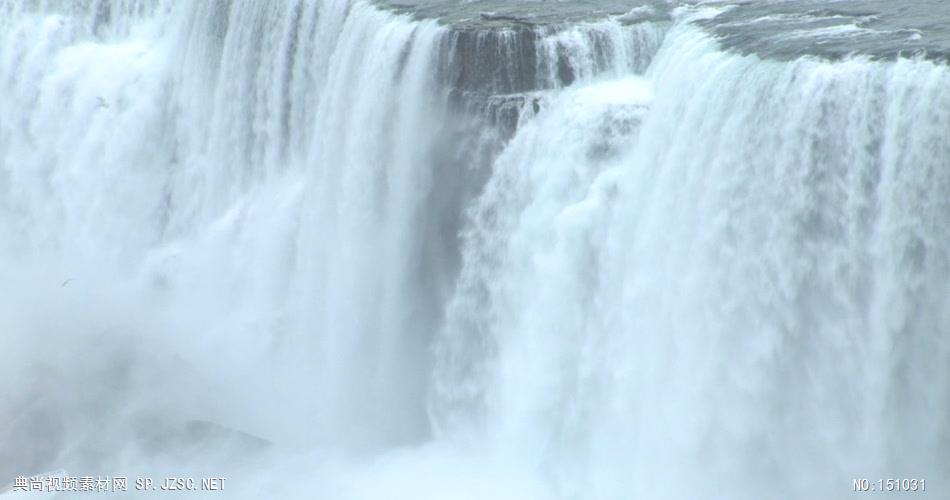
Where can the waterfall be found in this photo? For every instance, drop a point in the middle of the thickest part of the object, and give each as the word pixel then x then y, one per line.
pixel 654 285
pixel 351 249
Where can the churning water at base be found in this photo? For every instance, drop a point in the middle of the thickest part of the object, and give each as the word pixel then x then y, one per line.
pixel 327 250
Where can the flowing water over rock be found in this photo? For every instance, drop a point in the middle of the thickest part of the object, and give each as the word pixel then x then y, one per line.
pixel 446 249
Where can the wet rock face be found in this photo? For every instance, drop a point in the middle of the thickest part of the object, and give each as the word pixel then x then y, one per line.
pixel 491 61
pixel 510 47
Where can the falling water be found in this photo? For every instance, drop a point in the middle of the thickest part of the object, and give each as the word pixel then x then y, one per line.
pixel 345 249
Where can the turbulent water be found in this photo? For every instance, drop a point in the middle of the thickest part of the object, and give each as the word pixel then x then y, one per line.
pixel 442 249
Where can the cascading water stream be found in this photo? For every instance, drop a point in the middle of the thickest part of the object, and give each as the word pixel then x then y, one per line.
pixel 677 293
pixel 396 254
